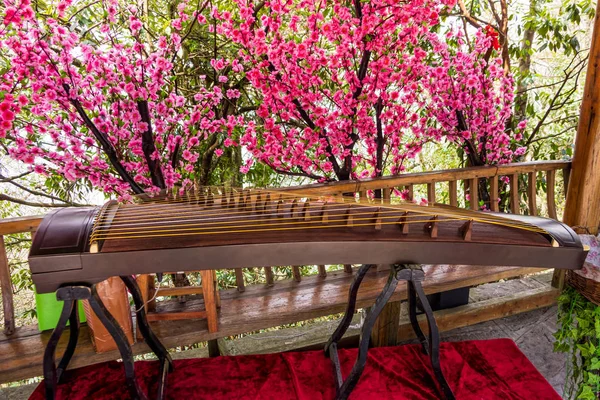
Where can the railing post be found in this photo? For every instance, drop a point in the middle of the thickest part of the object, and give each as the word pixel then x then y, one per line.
pixel 411 192
pixel 532 192
pixel 494 206
pixel 431 193
pixel 7 293
pixel 452 195
pixel 514 194
pixel 550 197
pixel 474 193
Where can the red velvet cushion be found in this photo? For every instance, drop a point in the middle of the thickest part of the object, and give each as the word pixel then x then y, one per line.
pixel 487 369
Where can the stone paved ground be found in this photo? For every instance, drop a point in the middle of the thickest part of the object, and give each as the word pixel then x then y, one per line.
pixel 531 331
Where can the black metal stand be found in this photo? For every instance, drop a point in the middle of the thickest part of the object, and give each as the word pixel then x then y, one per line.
pixel 70 295
pixel 413 275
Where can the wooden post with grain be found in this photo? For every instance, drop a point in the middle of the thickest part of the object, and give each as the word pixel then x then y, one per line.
pixel 581 209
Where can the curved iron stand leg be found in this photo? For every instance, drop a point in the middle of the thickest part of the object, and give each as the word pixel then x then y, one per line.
pixel 166 364
pixel 413 275
pixel 412 313
pixel 350 308
pixel 50 373
pixel 434 335
pixel 331 346
pixel 365 335
pixel 112 326
pixel 73 337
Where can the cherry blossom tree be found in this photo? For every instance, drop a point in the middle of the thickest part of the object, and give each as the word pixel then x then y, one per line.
pixel 354 89
pixel 100 102
pixel 341 89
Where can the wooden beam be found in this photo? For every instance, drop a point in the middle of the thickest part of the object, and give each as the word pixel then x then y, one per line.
pixel 581 208
pixel 19 225
pixel 179 291
pixel 482 311
pixel 583 179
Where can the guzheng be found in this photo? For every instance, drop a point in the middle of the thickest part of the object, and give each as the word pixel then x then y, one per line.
pixel 217 228
pixel 75 248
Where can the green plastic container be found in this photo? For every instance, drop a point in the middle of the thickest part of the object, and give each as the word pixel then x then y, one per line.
pixel 49 309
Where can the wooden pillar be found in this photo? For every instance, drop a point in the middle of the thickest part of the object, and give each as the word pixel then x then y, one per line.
pixel 7 293
pixel 210 300
pixel 581 209
pixel 385 330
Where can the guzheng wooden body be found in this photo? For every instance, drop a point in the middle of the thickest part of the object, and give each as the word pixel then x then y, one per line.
pixel 258 228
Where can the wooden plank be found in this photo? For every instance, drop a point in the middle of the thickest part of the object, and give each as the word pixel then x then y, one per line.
pixel 179 291
pixel 8 305
pixel 385 330
pixel 532 193
pixel 584 187
pixel 428 177
pixel 452 193
pixel 494 206
pixel 481 311
pixel 259 307
pixel 20 224
pixel 176 316
pixel 431 193
pixel 515 207
pixel 550 193
pixel 474 193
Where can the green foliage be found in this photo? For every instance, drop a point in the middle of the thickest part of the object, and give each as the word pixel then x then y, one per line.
pixel 578 335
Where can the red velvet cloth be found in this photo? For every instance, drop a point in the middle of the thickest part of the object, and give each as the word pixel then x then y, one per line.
pixel 487 369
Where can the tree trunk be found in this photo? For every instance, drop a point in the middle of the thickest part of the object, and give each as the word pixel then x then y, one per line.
pixel 522 95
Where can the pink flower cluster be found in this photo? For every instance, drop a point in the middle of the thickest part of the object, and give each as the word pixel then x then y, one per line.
pixel 53 69
pixel 344 90
pixel 362 89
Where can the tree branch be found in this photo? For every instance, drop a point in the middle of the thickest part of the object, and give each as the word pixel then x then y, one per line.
pixel 12 178
pixel 38 193
pixel 568 76
pixel 467 15
pixel 149 148
pixel 4 197
pixel 107 147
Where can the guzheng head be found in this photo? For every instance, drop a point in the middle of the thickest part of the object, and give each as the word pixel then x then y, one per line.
pixel 219 228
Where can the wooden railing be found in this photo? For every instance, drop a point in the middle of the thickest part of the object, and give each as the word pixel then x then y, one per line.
pixel 473 176
pixel 519 174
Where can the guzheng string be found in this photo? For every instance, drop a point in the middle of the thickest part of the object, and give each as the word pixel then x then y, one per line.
pixel 260 210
